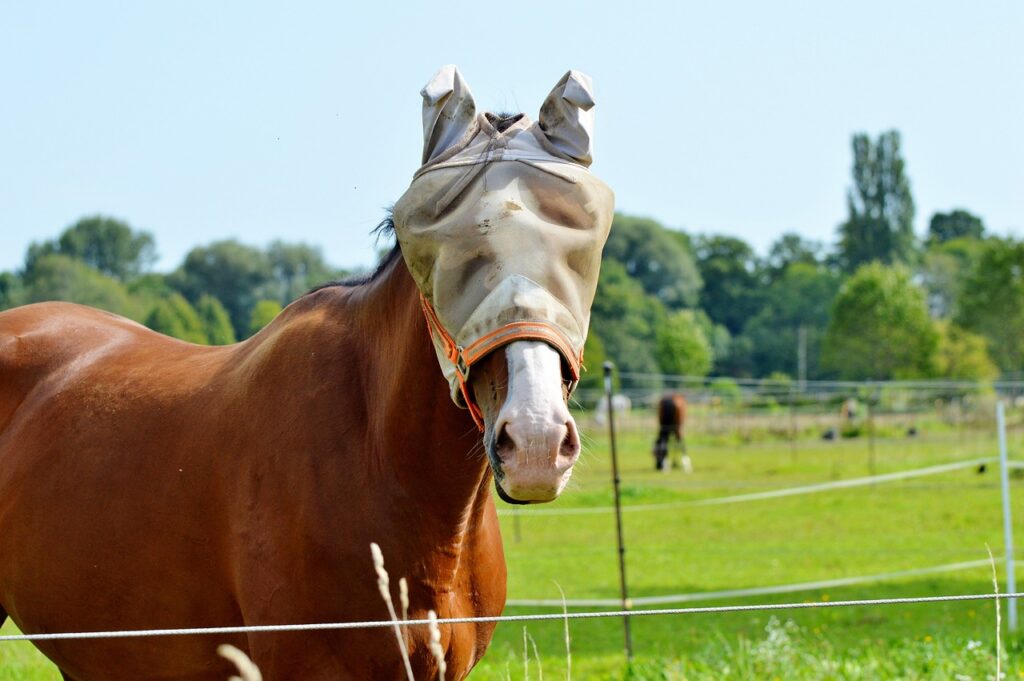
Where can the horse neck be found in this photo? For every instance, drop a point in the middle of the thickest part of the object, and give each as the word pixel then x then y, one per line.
pixel 422 441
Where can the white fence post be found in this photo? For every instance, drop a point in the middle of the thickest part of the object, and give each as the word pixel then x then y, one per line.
pixel 1004 476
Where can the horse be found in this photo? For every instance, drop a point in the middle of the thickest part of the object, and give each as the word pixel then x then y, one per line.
pixel 671 421
pixel 146 482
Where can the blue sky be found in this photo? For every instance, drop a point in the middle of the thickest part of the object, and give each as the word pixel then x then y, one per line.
pixel 201 121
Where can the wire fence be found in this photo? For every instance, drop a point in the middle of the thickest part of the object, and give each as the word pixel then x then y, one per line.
pixel 957 409
pixel 534 617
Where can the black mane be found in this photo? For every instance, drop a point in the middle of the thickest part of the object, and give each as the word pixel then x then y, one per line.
pixel 386 228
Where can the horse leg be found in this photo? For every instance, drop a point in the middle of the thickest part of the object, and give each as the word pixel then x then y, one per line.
pixel 684 458
pixel 660 452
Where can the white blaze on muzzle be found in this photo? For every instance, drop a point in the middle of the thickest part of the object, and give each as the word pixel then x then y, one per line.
pixel 503 230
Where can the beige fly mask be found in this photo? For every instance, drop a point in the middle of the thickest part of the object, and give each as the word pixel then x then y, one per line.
pixel 502 229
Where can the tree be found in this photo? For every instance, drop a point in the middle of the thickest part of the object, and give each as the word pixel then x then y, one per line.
pixel 215 320
pixel 880 328
pixel 957 224
pixel 963 355
pixel 652 255
pixel 106 244
pixel 10 290
pixel 295 269
pixel 880 224
pixel 231 272
pixel 59 277
pixel 163 319
pixel 263 313
pixel 801 297
pixel 173 316
pixel 681 346
pixel 731 290
pixel 990 301
pixel 791 249
pixel 592 377
pixel 944 269
pixel 625 319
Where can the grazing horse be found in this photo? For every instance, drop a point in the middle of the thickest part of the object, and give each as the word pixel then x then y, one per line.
pixel 671 420
pixel 146 482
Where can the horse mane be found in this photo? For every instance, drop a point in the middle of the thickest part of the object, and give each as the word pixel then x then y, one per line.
pixel 386 228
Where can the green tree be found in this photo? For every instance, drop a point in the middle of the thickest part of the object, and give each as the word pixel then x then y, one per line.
pixel 880 225
pixel 879 327
pixel 791 249
pixel 164 319
pixel 963 355
pixel 263 313
pixel 944 269
pixel 990 302
pixel 652 255
pixel 731 291
pixel 59 277
pixel 10 290
pixel 801 297
pixel 592 378
pixel 957 224
pixel 681 346
pixel 173 316
pixel 215 320
pixel 106 244
pixel 231 272
pixel 625 319
pixel 295 269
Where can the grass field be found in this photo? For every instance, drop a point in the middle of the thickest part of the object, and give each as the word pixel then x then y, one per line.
pixel 914 523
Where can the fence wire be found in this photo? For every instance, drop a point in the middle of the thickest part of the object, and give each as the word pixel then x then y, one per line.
pixel 534 617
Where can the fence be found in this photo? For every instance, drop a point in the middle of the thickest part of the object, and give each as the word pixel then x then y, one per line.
pixel 749 414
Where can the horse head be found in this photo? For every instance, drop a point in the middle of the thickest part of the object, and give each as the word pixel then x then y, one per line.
pixel 502 229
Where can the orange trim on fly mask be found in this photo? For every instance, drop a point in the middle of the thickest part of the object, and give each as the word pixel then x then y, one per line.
pixel 464 358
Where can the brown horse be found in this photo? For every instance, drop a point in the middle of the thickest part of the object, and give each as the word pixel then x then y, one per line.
pixel 149 483
pixel 671 421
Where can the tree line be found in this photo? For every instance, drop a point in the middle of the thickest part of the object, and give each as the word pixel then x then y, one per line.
pixel 222 292
pixel 880 303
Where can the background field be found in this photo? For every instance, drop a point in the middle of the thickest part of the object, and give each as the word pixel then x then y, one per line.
pixel 880 528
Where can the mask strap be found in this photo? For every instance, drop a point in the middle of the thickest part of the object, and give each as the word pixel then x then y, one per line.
pixel 456 356
pixel 464 358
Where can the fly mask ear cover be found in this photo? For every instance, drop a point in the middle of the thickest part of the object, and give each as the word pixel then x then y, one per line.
pixel 503 230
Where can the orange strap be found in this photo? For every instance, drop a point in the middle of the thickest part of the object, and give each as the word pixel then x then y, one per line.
pixel 464 358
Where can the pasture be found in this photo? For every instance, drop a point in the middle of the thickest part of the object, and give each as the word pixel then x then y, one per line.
pixel 869 530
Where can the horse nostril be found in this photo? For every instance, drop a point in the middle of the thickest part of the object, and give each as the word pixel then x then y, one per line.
pixel 570 446
pixel 504 444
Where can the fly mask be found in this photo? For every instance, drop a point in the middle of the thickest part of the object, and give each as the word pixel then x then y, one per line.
pixel 502 227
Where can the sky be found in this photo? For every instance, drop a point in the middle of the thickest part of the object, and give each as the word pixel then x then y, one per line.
pixel 200 121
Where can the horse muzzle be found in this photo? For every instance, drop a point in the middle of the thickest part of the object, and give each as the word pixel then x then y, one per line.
pixel 530 437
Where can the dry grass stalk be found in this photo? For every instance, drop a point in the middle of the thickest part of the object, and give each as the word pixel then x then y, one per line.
pixel 403 598
pixel 247 669
pixel 526 658
pixel 435 644
pixel 536 656
pixel 568 647
pixel 384 585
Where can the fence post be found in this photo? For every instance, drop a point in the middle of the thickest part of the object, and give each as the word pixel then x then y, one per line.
pixel 1004 477
pixel 793 428
pixel 871 429
pixel 626 604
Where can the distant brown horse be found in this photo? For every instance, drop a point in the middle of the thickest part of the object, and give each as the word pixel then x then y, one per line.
pixel 147 482
pixel 671 422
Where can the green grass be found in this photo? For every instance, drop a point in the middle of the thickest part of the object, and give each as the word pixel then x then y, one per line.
pixel 866 530
pixel 874 529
